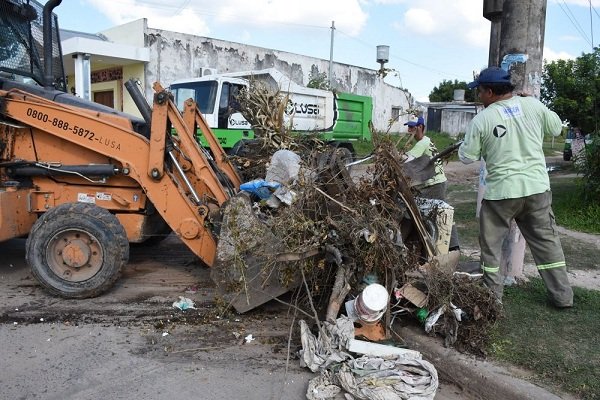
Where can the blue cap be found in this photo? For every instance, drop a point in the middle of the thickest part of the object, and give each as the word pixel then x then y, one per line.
pixel 414 121
pixel 491 75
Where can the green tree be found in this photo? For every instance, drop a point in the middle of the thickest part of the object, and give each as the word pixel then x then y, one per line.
pixel 570 88
pixel 445 91
pixel 318 80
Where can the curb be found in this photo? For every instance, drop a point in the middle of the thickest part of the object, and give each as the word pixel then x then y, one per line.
pixel 480 379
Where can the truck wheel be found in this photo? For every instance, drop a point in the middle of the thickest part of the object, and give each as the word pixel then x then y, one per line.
pixel 77 250
pixel 345 156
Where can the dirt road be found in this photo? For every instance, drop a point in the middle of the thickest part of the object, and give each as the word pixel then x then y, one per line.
pixel 132 344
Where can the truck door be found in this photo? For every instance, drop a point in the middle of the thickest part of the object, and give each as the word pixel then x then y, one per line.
pixel 229 108
pixel 224 110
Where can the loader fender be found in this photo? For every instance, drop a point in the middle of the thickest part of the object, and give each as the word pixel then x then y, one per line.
pixel 77 250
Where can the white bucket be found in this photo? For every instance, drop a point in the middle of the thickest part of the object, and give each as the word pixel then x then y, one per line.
pixel 371 303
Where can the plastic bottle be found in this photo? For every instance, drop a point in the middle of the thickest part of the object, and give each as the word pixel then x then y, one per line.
pixel 422 314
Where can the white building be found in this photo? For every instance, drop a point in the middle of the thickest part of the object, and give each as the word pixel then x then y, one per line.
pixel 97 66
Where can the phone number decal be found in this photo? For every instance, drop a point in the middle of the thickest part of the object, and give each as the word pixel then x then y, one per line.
pixel 76 130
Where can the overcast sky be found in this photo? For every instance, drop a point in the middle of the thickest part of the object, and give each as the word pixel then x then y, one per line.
pixel 430 40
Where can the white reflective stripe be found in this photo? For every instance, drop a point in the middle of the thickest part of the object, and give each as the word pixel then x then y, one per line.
pixel 553 265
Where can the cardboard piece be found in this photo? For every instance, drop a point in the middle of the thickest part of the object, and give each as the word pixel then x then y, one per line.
pixel 414 295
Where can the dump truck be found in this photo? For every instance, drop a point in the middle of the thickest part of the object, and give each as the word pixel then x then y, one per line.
pixel 82 181
pixel 338 118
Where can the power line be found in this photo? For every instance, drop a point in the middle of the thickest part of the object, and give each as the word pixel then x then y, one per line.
pixel 574 22
pixel 372 46
pixel 591 25
pixel 594 8
pixel 182 7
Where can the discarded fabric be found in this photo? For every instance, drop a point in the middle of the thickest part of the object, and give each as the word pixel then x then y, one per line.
pixel 184 304
pixel 373 378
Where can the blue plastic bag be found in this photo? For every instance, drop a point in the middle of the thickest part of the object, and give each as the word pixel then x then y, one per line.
pixel 261 188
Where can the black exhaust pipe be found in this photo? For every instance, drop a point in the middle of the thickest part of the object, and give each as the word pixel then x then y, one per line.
pixel 139 100
pixel 47 26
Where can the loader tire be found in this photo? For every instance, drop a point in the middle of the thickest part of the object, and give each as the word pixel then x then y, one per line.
pixel 77 250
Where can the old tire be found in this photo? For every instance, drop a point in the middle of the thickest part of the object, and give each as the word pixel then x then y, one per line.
pixel 77 250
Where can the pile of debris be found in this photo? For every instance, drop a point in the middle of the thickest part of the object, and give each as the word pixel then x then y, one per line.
pixel 370 246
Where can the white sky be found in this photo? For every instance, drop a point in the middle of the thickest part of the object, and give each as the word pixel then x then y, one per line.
pixel 430 40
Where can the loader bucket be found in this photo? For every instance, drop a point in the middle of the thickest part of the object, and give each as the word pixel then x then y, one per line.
pixel 252 265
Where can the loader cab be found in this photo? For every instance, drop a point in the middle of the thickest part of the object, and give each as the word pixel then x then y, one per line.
pixel 30 52
pixel 217 99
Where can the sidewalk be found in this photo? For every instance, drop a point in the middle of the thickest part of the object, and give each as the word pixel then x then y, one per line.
pixel 478 379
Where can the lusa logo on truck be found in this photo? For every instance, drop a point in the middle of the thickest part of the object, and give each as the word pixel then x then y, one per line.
pixel 301 108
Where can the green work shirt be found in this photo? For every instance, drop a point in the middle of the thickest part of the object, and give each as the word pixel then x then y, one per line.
pixel 426 147
pixel 509 135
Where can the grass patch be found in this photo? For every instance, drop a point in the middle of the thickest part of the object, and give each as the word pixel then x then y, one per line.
pixel 553 148
pixel 561 347
pixel 570 208
pixel 466 224
pixel 362 148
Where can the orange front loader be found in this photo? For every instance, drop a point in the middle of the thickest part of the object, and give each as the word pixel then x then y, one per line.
pixel 81 180
pixel 82 184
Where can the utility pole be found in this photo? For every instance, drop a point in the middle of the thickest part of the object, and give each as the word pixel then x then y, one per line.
pixel 517 40
pixel 522 43
pixel 516 45
pixel 331 56
pixel 492 10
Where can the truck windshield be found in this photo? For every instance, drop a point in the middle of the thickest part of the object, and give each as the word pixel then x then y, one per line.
pixel 203 93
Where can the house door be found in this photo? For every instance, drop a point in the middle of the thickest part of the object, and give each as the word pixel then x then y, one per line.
pixel 106 97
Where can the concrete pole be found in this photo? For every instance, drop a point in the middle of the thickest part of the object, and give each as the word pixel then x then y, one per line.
pixel 492 11
pixel 331 56
pixel 522 43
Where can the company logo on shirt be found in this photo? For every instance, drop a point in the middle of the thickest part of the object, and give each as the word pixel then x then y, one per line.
pixel 499 131
pixel 513 111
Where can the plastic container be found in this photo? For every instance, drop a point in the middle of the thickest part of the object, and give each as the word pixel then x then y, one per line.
pixel 371 303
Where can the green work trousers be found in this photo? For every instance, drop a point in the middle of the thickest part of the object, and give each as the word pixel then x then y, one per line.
pixel 534 217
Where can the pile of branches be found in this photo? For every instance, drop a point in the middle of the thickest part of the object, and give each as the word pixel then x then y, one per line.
pixel 369 230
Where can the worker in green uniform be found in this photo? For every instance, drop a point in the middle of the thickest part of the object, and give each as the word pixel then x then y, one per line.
pixel 509 134
pixel 436 186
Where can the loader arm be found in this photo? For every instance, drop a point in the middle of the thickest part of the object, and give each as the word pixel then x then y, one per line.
pixel 172 171
pixel 193 119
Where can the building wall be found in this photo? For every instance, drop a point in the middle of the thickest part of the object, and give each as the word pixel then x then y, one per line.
pixel 131 33
pixel 176 55
pixel 454 122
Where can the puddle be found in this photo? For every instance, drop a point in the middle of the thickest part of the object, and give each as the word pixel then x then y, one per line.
pixel 550 168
